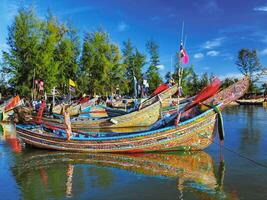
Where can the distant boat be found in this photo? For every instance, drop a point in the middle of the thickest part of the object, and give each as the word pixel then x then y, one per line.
pixel 250 101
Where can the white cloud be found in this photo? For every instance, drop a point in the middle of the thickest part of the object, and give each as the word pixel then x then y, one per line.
pixel 210 44
pixel 122 26
pixel 261 8
pixel 213 53
pixel 263 52
pixel 206 68
pixel 161 67
pixel 198 55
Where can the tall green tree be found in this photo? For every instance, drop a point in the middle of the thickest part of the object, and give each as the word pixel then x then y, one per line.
pixel 191 82
pixel 248 64
pixel 42 49
pixel 99 61
pixel 48 65
pixel 134 61
pixel 128 61
pixel 264 88
pixel 128 54
pixel 24 39
pixel 116 72
pixel 67 53
pixel 204 80
pixel 152 73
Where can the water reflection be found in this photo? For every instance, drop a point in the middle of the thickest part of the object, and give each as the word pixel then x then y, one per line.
pixel 51 171
pixel 251 133
pixel 8 134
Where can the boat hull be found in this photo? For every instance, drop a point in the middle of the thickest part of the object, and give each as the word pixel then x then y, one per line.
pixel 194 134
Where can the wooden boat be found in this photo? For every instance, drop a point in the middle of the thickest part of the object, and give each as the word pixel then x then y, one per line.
pixel 7 108
pixel 192 170
pixel 149 113
pixel 250 101
pixel 162 96
pixel 193 133
pixel 73 109
pixel 91 110
pixel 142 118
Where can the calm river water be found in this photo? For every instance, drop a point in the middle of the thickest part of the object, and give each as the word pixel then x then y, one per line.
pixel 237 173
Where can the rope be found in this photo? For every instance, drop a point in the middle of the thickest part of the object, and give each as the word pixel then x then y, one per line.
pixel 241 155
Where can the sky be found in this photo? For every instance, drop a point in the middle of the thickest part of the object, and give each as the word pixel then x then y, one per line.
pixel 215 30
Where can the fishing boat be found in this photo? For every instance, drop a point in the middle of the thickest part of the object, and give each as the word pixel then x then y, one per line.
pixel 7 108
pixel 250 101
pixel 148 114
pixel 89 109
pixel 192 170
pixel 195 131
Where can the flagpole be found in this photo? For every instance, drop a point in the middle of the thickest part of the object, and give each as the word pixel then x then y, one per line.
pixel 182 34
pixel 180 72
pixel 33 84
pixel 171 64
pixel 185 39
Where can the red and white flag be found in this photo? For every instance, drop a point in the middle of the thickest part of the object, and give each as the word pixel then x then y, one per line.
pixel 183 55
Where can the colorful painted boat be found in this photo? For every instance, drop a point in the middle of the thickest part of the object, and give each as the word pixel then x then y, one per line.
pixel 193 171
pixel 149 114
pixel 7 108
pixel 141 118
pixel 194 132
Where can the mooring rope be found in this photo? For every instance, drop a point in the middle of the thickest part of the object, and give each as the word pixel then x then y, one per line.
pixel 241 155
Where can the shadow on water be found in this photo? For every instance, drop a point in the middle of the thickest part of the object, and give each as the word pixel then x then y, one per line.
pixel 42 174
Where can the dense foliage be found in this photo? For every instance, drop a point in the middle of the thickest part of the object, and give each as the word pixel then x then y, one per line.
pixel 248 64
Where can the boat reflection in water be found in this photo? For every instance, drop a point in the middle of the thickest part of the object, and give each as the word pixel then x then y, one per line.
pixel 8 134
pixel 54 170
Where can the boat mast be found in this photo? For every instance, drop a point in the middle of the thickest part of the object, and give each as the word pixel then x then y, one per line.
pixel 33 84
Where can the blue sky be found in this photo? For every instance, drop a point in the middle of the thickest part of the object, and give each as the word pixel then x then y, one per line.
pixel 215 29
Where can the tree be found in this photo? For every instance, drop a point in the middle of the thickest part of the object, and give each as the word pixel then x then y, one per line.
pixel 153 50
pixel 248 64
pixel 191 82
pixel 227 82
pixel 100 69
pixel 128 54
pixel 24 38
pixel 47 68
pixel 41 49
pixel 264 88
pixel 152 73
pixel 67 53
pixel 204 81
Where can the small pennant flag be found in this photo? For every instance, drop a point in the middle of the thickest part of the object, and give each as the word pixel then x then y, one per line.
pixel 72 89
pixel 72 83
pixel 183 55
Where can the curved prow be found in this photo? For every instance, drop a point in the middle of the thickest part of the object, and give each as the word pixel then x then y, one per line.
pixel 206 93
